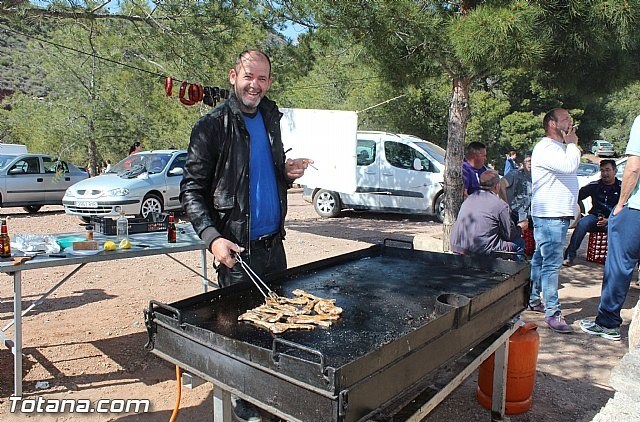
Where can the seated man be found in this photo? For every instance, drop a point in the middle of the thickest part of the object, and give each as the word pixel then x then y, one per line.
pixel 604 195
pixel 484 223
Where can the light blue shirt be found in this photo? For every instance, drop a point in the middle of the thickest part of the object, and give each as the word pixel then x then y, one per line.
pixel 633 148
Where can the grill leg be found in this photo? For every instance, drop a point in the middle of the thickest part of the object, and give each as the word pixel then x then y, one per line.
pixel 221 405
pixel 499 382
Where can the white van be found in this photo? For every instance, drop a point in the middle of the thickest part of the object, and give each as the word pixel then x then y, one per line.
pixel 394 173
pixel 12 149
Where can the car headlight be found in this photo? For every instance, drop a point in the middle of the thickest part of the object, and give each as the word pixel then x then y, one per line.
pixel 118 192
pixel 69 193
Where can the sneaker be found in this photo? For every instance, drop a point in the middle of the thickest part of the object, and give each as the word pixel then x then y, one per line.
pixel 243 411
pixel 539 308
pixel 591 327
pixel 558 324
pixel 567 262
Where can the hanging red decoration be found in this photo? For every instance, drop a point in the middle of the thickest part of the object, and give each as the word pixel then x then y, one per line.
pixel 168 86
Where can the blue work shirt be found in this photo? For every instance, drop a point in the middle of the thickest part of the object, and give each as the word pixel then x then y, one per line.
pixel 263 190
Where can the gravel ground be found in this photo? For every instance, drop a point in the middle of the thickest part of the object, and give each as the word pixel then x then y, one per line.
pixel 86 341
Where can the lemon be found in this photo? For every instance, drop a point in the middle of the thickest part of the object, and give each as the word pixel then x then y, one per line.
pixel 109 246
pixel 125 244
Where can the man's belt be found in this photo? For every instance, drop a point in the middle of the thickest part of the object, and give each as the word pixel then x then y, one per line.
pixel 265 242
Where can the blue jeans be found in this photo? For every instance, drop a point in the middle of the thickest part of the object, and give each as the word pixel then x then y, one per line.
pixel 623 250
pixel 550 235
pixel 587 224
pixel 515 249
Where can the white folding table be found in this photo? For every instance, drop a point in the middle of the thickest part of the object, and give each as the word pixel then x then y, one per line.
pixel 143 244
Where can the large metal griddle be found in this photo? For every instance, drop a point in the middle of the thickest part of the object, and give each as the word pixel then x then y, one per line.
pixel 406 314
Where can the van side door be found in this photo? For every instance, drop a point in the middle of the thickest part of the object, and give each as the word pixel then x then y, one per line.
pixel 367 174
pixel 408 187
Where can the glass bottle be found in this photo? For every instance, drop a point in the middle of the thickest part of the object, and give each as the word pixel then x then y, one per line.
pixel 122 227
pixel 88 231
pixel 171 229
pixel 5 241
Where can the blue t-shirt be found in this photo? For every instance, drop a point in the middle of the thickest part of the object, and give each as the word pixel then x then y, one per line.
pixel 471 176
pixel 263 190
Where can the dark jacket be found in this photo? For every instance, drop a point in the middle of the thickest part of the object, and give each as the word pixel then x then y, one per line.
pixel 519 193
pixel 483 225
pixel 603 197
pixel 215 188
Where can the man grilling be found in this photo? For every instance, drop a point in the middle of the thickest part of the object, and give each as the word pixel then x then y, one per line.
pixel 234 188
pixel 484 225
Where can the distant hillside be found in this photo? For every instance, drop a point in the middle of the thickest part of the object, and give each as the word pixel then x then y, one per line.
pixel 15 76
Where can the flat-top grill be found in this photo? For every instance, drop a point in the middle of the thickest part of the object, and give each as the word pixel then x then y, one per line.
pixel 406 313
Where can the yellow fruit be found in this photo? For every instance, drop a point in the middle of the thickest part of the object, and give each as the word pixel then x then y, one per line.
pixel 109 246
pixel 125 244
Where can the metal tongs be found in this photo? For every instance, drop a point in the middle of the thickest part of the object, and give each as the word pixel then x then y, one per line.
pixel 256 279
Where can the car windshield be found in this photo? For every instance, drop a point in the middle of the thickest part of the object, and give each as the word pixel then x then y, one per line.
pixel 436 152
pixel 586 169
pixel 137 164
pixel 4 159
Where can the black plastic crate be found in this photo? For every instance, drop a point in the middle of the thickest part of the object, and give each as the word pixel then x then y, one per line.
pixel 108 225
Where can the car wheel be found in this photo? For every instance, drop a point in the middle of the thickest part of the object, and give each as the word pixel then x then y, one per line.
pixel 439 208
pixel 32 209
pixel 326 203
pixel 151 204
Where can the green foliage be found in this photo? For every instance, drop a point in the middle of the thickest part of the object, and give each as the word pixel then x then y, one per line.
pixel 521 131
pixel 622 108
pixel 498 35
pixel 488 110
pixel 99 102
pixel 522 58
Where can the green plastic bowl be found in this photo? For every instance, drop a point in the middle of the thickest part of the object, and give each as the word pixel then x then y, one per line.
pixel 67 242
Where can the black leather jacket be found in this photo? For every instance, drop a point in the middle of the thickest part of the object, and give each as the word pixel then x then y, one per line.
pixel 215 188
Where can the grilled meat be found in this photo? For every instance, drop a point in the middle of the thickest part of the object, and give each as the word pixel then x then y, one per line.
pixel 302 312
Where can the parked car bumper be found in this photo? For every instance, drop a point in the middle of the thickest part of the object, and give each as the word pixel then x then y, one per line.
pixel 89 208
pixel 307 194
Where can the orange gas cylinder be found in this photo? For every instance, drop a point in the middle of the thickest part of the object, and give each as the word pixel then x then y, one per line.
pixel 521 371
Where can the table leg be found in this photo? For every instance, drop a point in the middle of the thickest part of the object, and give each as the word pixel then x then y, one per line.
pixel 205 282
pixel 499 381
pixel 17 334
pixel 221 405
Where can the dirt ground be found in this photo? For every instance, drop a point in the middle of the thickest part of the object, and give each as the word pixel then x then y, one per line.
pixel 86 341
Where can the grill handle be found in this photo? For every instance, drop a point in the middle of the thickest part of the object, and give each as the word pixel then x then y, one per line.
pixel 388 240
pixel 275 354
pixel 174 311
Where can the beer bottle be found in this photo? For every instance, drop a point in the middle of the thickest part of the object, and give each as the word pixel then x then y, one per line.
pixel 5 241
pixel 171 229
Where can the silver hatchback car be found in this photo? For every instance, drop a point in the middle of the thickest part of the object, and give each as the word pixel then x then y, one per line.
pixel 143 183
pixel 33 180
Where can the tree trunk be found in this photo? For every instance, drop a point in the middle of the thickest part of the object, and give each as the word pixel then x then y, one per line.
pixel 453 186
pixel 92 147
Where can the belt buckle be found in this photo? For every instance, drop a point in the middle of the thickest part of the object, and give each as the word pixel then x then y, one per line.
pixel 266 240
